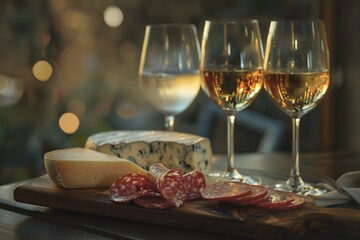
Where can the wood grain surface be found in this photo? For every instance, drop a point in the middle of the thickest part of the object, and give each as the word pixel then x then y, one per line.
pixel 208 216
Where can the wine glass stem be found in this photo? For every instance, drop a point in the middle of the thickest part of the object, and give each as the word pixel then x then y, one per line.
pixel 295 180
pixel 169 122
pixel 230 141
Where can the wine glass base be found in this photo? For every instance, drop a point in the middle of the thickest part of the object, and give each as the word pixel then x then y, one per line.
pixel 253 180
pixel 234 175
pixel 304 190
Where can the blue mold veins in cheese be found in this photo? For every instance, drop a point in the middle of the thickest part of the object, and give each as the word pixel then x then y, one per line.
pixel 175 150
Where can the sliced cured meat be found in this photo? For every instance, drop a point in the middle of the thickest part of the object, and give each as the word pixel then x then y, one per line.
pixel 169 183
pixel 194 182
pixel 296 203
pixel 277 198
pixel 128 198
pixel 257 191
pixel 253 202
pixel 165 188
pixel 153 202
pixel 148 193
pixel 225 190
pixel 128 187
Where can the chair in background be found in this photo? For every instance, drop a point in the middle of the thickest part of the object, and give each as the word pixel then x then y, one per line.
pixel 271 130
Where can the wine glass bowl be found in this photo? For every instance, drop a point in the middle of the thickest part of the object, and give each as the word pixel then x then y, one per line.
pixel 231 72
pixel 297 93
pixel 296 77
pixel 169 68
pixel 231 89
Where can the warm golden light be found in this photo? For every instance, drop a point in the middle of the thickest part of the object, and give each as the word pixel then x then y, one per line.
pixel 69 123
pixel 125 110
pixel 42 70
pixel 75 20
pixel 113 16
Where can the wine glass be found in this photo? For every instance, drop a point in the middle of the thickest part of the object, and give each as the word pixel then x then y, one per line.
pixel 232 76
pixel 169 68
pixel 296 76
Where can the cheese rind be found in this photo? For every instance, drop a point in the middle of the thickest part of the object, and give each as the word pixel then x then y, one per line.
pixel 175 150
pixel 85 168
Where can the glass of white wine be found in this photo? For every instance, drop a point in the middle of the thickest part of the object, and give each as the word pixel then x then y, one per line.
pixel 232 76
pixel 169 68
pixel 296 76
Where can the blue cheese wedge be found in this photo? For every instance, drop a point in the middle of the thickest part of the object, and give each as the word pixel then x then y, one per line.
pixel 175 150
pixel 85 168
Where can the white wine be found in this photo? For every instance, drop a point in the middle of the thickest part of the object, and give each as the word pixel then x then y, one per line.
pixel 296 93
pixel 170 93
pixel 232 90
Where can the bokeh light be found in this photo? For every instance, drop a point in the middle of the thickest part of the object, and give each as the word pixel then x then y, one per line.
pixel 75 20
pixel 42 70
pixel 125 109
pixel 69 123
pixel 113 16
pixel 46 38
pixel 11 90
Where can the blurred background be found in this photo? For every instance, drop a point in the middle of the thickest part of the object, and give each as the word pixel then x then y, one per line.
pixel 69 69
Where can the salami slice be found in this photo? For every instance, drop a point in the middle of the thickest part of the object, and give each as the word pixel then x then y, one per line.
pixel 277 198
pixel 153 202
pixel 225 190
pixel 194 182
pixel 257 191
pixel 296 203
pixel 128 187
pixel 168 183
pixel 253 202
pixel 148 193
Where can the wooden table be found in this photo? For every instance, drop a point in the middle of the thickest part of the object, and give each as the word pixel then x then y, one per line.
pixel 26 221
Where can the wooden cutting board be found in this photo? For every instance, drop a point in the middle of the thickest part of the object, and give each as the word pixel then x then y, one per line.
pixel 198 215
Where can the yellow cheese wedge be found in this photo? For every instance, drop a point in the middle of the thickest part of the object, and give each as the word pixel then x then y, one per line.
pixel 85 168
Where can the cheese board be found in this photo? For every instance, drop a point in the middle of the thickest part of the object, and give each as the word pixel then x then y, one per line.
pixel 209 216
